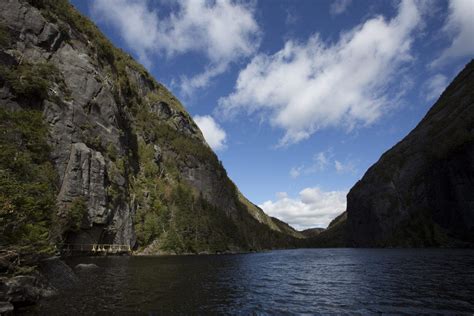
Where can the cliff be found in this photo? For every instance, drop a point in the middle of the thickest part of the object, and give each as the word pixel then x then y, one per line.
pixel 420 192
pixel 94 150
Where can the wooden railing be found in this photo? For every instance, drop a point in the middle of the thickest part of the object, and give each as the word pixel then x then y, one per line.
pixel 97 248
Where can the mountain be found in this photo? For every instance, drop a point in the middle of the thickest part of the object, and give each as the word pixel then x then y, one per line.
pixel 312 232
pixel 421 192
pixel 335 235
pixel 94 150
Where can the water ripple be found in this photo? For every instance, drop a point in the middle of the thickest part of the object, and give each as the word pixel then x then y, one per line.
pixel 304 281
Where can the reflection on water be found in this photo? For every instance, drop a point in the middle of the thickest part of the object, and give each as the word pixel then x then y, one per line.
pixel 295 281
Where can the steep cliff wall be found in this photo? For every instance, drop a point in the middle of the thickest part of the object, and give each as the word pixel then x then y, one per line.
pixel 421 192
pixel 131 165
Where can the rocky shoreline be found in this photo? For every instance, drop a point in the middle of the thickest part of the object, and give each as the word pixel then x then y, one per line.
pixel 23 290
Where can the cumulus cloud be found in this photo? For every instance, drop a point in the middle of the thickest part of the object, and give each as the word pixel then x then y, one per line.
pixel 309 86
pixel 434 86
pixel 223 31
pixel 460 25
pixel 312 207
pixel 339 6
pixel 136 23
pixel 214 134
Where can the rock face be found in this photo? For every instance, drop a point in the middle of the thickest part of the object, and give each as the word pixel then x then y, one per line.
pixel 120 141
pixel 421 192
pixel 84 114
pixel 85 176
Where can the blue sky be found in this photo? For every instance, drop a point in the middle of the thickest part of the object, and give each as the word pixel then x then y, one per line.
pixel 298 98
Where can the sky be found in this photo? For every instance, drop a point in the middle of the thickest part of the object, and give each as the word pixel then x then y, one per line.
pixel 298 98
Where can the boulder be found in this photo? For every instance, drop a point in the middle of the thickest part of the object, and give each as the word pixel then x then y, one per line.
pixel 85 266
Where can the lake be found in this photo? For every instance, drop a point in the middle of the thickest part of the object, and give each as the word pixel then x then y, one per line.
pixel 277 282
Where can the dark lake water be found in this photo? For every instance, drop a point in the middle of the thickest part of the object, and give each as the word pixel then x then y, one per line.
pixel 278 282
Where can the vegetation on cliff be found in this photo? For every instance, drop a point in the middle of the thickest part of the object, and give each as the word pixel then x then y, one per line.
pixel 28 186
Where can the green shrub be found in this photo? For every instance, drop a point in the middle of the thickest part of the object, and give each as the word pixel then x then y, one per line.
pixel 146 154
pixel 112 152
pixel 4 36
pixel 31 80
pixel 151 220
pixel 75 213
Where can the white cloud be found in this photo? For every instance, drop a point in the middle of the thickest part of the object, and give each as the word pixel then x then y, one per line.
pixel 215 136
pixel 223 31
pixel 312 208
pixel 339 6
pixel 135 22
pixel 291 17
pixel 434 86
pixel 202 80
pixel 460 25
pixel 347 167
pixel 309 86
pixel 323 161
pixel 320 160
pixel 281 195
pixel 295 172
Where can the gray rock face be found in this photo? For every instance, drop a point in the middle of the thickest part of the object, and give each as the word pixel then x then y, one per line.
pixel 420 192
pixel 162 109
pixel 182 123
pixel 210 181
pixel 85 176
pixel 84 120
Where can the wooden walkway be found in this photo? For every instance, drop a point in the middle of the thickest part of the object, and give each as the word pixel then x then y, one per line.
pixel 98 248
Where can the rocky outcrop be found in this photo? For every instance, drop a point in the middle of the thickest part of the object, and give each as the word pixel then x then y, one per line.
pixel 24 290
pixel 85 266
pixel 420 192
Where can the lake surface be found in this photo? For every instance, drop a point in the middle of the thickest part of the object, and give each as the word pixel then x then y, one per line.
pixel 277 282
